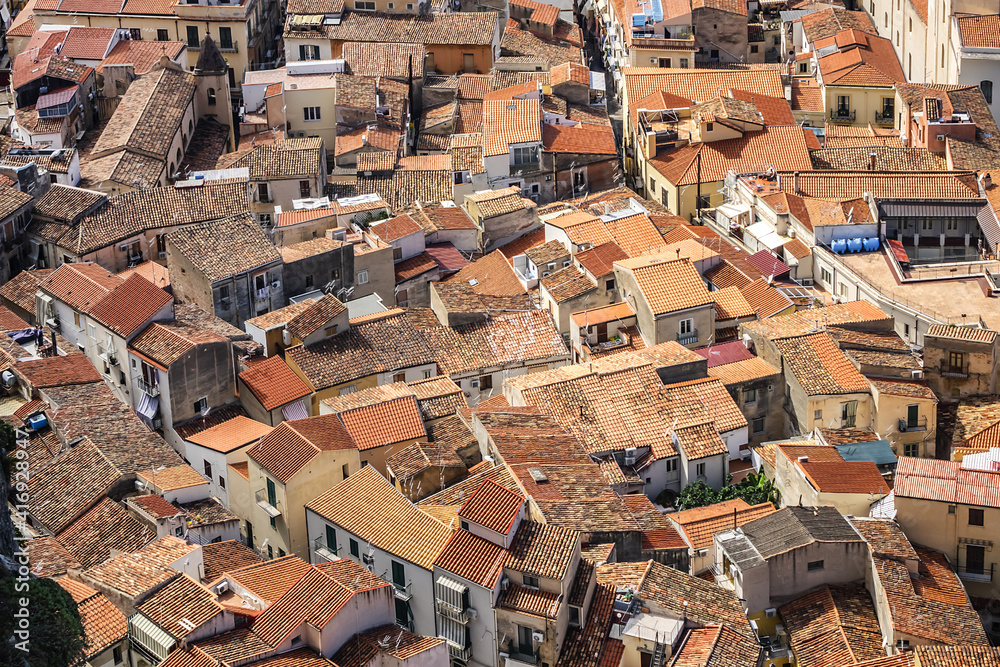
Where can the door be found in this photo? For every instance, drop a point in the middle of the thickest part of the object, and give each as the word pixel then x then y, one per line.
pixel 975 559
pixel 524 646
pixel 912 415
pixel 271 499
pixel 468 62
pixel 602 332
pixel 249 534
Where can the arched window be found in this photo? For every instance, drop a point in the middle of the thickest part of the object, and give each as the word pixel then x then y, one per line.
pixel 987 88
pixel 190 125
pixel 180 155
pixel 211 96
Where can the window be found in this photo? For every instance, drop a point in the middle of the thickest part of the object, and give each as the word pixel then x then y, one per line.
pixel 310 113
pixel 817 414
pixel 803 68
pixel 926 224
pixel 814 565
pixel 211 97
pixel 263 193
pixel 525 155
pixel 305 189
pixel 687 326
pixel 709 127
pixel 465 525
pixel 652 184
pixel 826 276
pixel 758 424
pixel 116 653
pixel 364 6
pixel 308 52
pixel 335 274
pixel 208 470
pixel 951 225
pixel 135 33
pixel 355 551
pixel 987 88
pixel 912 415
pixel 753 48
pixel 530 582
pixel 609 285
pixel 161 35
pixel 714 54
pixel 397 254
pixel 684 63
pixel 398 575
pixel 700 469
pixel 749 396
pixel 704 201
pixel 975 517
pixel 201 404
pixel 222 482
pixel 344 470
pixel 672 465
pixel 363 277
pixel 664 62
pixel 399 377
pixel 225 38
pixel 951 509
pixel 975 559
pixel 956 362
pixel 911 449
pixel 843 104
pixel 402 606
pixel 76 320
pixel 574 616
pixel 425 374
pixel 224 297
pixel 330 331
pixel 848 414
pixel 485 382
pixel 270 552
pixel 309 281
pixel 888 107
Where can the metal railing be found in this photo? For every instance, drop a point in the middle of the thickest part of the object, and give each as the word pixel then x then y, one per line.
pixel 884 118
pixel 919 424
pixel 460 653
pixel 524 658
pixel 981 574
pixel 321 548
pixel 403 591
pixel 843 114
pixel 688 338
pixel 272 509
pixel 232 47
pixel 147 388
pixel 955 371
pixel 448 611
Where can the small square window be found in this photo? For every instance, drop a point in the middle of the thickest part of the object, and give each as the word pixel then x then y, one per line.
pixel 951 509
pixel 817 414
pixel 465 525
pixel 975 516
pixel 814 566
pixel 530 582
pixel 758 425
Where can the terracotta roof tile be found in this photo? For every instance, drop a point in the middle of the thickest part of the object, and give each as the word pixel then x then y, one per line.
pixel 180 604
pixel 366 505
pixel 231 434
pixel 104 528
pixel 492 506
pixel 384 423
pixel 270 579
pixel 156 506
pixel 979 31
pixel 226 247
pixel 273 383
pixel 542 549
pixel 49 558
pixel 820 367
pixel 473 558
pixel 747 370
pixel 700 524
pixel 834 625
pixel 292 445
pixel 667 284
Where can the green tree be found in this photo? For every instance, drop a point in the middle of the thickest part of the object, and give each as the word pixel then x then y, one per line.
pixel 57 637
pixel 754 489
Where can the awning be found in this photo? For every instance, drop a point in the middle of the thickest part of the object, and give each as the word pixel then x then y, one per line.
pixel 147 408
pixel 921 210
pixel 150 636
pixel 293 411
pixel 765 235
pixel 450 592
pixel 732 210
pixel 452 630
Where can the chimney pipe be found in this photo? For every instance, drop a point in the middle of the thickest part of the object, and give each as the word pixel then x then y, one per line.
pixel 795 183
pixel 55 349
pixel 872 159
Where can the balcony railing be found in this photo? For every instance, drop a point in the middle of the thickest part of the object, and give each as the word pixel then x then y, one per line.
pixel 884 118
pixel 403 591
pixel 147 388
pixel 919 424
pixel 448 611
pixel 688 338
pixel 323 550
pixel 262 294
pixel 980 574
pixel 523 658
pixel 460 653
pixel 263 502
pixel 524 167
pixel 843 114
pixel 229 47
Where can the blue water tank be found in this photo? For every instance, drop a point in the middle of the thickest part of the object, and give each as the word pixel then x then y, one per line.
pixel 36 422
pixel 839 246
pixel 854 245
pixel 871 244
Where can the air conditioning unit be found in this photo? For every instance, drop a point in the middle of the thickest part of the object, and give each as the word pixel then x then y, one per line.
pixel 475 384
pixel 630 456
pixel 902 426
pixel 473 614
pixel 163 254
pixel 537 637
pixel 917 375
pixel 770 613
pixel 807 281
pixel 222 587
pixel 286 337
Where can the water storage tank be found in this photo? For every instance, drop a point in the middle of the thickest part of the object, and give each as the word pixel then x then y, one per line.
pixel 37 422
pixel 871 244
pixel 854 245
pixel 839 246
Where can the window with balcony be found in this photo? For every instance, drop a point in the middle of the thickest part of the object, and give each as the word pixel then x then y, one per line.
pixel 225 37
pixel 331 539
pixel 193 38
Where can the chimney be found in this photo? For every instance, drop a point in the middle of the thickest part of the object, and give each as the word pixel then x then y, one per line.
pixel 678 252
pixel 872 160
pixel 795 183
pixel 987 180
pixel 607 209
